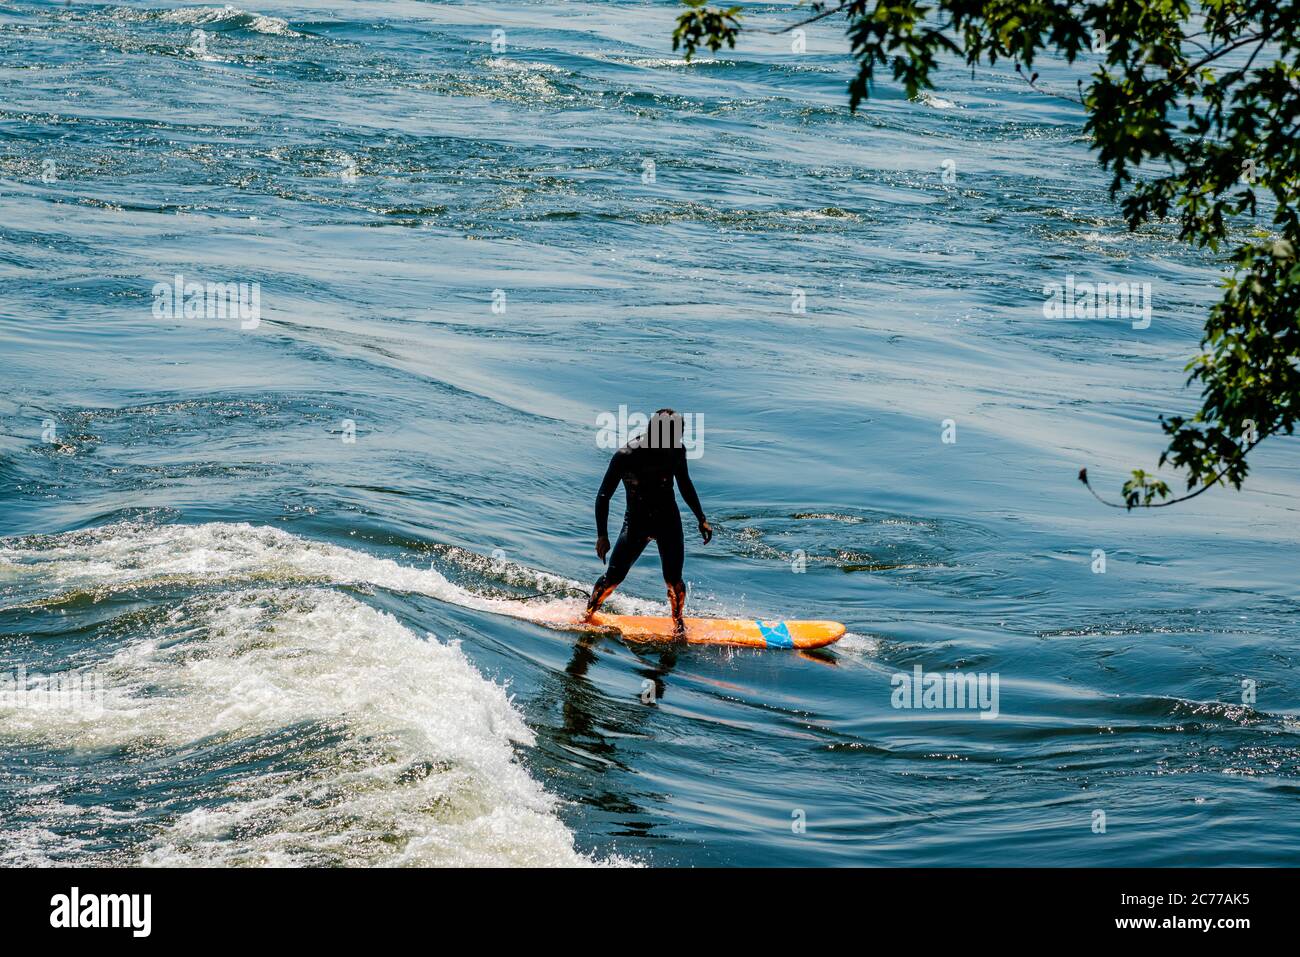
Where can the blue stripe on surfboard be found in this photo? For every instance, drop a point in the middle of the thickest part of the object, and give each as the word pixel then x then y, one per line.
pixel 775 633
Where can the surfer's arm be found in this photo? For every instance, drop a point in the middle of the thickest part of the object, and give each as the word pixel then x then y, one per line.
pixel 687 487
pixel 607 487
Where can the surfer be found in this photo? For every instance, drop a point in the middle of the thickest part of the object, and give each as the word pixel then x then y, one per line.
pixel 647 466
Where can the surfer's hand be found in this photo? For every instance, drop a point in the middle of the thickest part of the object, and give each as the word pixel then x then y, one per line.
pixel 602 547
pixel 706 532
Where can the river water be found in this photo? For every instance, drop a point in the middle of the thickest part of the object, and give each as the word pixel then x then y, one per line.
pixel 281 556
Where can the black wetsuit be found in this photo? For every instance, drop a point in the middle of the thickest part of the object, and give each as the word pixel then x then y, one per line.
pixel 647 475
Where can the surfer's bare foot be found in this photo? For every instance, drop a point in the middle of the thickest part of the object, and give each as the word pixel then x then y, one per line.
pixel 599 593
pixel 679 630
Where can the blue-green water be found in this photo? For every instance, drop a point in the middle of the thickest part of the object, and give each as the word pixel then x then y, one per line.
pixel 301 644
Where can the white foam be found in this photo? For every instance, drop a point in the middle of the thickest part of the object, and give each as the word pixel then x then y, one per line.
pixel 272 26
pixel 407 752
pixel 938 102
pixel 35 846
pixel 858 646
pixel 521 66
pixel 133 555
pixel 422 771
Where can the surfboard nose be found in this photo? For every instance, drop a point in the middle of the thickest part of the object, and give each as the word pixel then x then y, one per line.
pixel 815 634
pixel 798 634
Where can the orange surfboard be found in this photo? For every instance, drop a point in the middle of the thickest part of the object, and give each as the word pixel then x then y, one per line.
pixel 748 633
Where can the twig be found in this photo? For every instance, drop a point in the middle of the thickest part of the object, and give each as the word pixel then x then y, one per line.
pixel 1083 477
pixel 802 23
pixel 1033 85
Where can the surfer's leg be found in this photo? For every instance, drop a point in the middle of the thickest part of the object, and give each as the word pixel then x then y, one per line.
pixel 626 551
pixel 677 601
pixel 672 555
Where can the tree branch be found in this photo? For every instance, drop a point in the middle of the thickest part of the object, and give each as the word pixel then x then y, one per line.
pixel 1083 477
